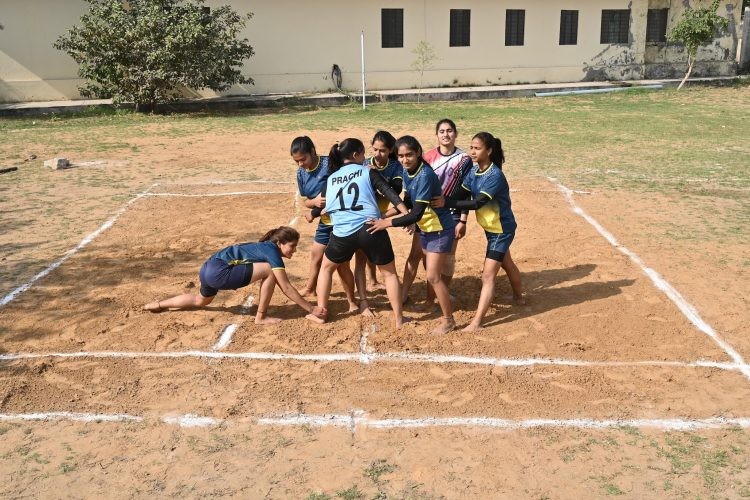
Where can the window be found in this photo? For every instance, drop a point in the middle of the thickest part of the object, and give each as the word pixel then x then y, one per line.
pixel 615 26
pixel 460 28
pixel 392 28
pixel 656 25
pixel 514 23
pixel 568 27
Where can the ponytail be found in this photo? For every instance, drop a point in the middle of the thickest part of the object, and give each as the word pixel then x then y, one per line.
pixel 344 153
pixel 493 143
pixel 282 234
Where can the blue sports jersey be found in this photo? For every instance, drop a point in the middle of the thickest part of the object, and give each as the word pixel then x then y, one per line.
pixel 350 199
pixel 393 170
pixel 422 187
pixel 496 215
pixel 310 182
pixel 245 253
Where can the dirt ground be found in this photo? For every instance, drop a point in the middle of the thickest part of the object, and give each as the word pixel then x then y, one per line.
pixel 586 302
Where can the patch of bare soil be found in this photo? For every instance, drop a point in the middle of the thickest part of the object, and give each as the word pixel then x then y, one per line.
pixel 586 302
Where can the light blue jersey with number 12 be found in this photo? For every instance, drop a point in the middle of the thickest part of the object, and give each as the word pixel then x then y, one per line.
pixel 350 199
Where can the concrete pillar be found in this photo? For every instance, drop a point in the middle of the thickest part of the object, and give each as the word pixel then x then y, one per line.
pixel 745 50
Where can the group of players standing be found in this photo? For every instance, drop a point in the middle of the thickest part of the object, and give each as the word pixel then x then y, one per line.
pixel 357 199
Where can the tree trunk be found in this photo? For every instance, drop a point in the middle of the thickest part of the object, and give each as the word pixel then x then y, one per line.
pixel 687 75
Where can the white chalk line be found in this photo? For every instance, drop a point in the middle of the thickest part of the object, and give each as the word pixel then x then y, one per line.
pixel 368 357
pixel 213 195
pixel 295 218
pixel 364 349
pixel 222 182
pixel 227 334
pixel 683 305
pixel 88 239
pixel 357 418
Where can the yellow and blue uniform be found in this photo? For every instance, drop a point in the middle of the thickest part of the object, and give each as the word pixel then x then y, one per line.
pixel 393 174
pixel 310 184
pixel 495 216
pixel 421 187
pixel 490 195
pixel 232 267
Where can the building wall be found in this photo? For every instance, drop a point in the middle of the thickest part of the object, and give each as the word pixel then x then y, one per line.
pixel 297 43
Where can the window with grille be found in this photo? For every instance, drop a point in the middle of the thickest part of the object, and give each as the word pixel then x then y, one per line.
pixel 460 32
pixel 514 24
pixel 656 25
pixel 568 27
pixel 392 28
pixel 615 25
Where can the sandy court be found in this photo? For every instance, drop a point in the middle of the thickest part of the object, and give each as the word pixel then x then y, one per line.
pixel 586 303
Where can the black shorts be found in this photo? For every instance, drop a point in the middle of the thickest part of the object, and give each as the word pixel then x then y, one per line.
pixel 376 246
pixel 217 275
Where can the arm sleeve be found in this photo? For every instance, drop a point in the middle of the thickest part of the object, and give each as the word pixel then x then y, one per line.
pixel 397 184
pixel 379 182
pixel 317 210
pixel 467 204
pixel 410 218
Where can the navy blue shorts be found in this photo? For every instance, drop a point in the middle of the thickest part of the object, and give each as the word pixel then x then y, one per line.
pixel 323 234
pixel 217 275
pixel 498 245
pixel 437 241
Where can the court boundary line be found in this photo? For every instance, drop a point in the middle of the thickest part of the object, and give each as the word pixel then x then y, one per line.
pixel 67 255
pixel 358 418
pixel 687 309
pixel 213 195
pixel 365 357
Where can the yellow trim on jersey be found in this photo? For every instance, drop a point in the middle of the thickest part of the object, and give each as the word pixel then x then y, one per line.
pixel 326 219
pixel 430 222
pixel 274 268
pixel 311 170
pixel 378 167
pixel 383 205
pixel 485 192
pixel 415 173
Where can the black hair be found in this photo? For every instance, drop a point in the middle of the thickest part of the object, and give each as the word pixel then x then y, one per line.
pixel 497 156
pixel 302 145
pixel 343 151
pixel 411 143
pixel 388 141
pixel 449 122
pixel 282 234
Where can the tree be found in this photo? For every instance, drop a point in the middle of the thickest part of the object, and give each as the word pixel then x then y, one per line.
pixel 696 27
pixel 424 60
pixel 145 51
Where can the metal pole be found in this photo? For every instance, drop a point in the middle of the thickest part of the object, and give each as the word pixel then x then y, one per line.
pixel 362 47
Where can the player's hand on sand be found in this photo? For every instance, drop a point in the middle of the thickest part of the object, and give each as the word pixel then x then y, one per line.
pixel 364 310
pixel 437 202
pixel 319 312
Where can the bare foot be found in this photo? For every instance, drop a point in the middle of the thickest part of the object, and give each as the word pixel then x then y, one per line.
pixel 367 312
pixel 154 307
pixel 353 307
pixel 519 301
pixel 471 327
pixel 375 286
pixel 428 306
pixel 399 322
pixel 268 320
pixel 315 319
pixel 446 325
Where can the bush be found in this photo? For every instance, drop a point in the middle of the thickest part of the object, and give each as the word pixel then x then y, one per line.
pixel 147 51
